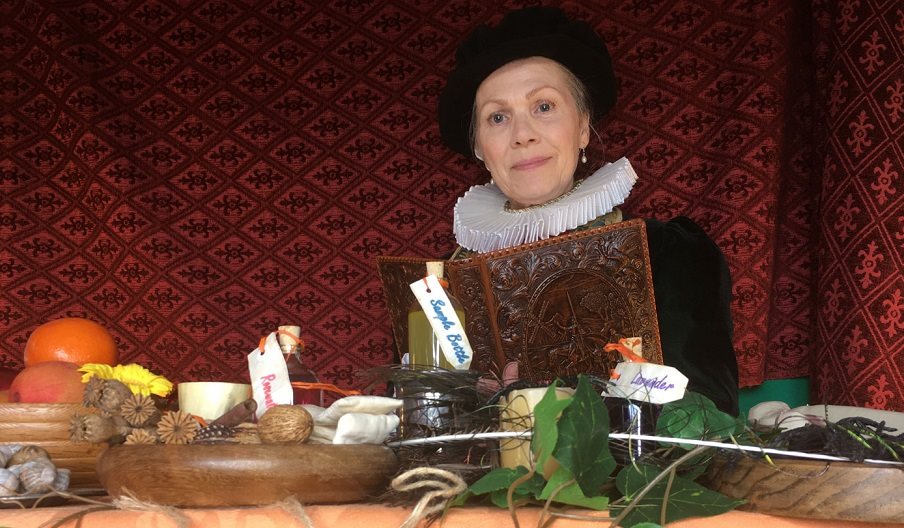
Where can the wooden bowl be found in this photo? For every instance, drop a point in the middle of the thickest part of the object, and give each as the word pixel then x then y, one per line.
pixel 47 425
pixel 812 489
pixel 246 475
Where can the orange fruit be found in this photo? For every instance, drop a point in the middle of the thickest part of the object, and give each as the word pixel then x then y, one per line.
pixel 71 339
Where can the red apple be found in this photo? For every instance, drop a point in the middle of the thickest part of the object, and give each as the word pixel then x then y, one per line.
pixel 48 382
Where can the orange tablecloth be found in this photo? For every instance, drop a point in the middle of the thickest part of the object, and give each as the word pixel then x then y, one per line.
pixel 373 516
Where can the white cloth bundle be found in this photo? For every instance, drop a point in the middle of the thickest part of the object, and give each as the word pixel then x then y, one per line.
pixel 354 420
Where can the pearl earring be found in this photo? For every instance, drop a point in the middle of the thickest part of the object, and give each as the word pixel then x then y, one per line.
pixel 583 156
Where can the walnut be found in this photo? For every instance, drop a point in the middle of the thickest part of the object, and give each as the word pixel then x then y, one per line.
pixel 285 424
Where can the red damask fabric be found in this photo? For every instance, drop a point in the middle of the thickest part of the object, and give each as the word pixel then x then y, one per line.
pixel 193 174
pixel 859 357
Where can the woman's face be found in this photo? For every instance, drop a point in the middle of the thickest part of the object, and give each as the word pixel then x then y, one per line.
pixel 528 130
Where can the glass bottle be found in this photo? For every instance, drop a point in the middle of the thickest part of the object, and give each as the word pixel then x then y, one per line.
pixel 424 411
pixel 423 344
pixel 292 346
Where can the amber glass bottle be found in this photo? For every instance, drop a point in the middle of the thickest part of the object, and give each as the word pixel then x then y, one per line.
pixel 292 347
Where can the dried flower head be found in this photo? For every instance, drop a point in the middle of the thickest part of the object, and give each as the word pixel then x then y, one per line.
pixel 142 437
pixel 177 427
pixel 140 411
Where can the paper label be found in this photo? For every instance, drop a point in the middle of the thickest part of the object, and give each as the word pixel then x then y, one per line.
pixel 446 325
pixel 270 383
pixel 647 382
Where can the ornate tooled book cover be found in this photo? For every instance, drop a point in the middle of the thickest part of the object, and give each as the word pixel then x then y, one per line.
pixel 552 305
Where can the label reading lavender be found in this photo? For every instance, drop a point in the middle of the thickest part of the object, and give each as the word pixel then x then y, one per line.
pixel 648 382
pixel 445 323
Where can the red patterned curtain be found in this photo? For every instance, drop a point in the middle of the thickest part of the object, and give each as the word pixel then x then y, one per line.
pixel 193 174
pixel 859 354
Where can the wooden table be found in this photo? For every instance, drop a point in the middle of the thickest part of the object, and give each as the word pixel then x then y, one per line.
pixel 372 516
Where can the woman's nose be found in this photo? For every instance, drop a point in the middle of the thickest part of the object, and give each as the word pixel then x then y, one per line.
pixel 523 131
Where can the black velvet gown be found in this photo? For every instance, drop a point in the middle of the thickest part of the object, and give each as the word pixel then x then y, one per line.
pixel 692 287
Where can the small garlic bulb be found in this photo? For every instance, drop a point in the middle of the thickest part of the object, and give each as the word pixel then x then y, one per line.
pixel 61 482
pixel 7 451
pixel 28 453
pixel 37 476
pixel 9 482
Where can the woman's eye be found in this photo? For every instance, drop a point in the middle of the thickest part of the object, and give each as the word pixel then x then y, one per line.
pixel 544 107
pixel 496 118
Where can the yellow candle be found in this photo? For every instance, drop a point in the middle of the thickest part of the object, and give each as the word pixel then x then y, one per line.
pixel 518 415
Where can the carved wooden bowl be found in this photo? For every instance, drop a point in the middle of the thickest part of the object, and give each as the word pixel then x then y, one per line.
pixel 246 475
pixel 813 489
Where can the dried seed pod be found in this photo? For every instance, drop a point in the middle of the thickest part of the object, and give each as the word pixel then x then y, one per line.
pixel 61 482
pixel 37 476
pixel 122 428
pixel 285 424
pixel 147 436
pixel 115 393
pixel 92 428
pixel 94 389
pixel 9 482
pixel 140 411
pixel 177 427
pixel 28 453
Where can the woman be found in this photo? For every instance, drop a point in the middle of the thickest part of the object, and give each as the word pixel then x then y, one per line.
pixel 522 99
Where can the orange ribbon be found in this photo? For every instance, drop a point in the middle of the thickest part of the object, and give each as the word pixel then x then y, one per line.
pixel 324 386
pixel 622 347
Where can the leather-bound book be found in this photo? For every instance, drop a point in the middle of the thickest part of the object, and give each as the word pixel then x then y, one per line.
pixel 550 305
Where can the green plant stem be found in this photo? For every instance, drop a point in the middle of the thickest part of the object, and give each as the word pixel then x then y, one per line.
pixel 510 495
pixel 544 522
pixel 665 496
pixel 642 493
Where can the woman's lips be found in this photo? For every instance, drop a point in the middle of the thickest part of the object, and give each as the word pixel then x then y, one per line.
pixel 531 163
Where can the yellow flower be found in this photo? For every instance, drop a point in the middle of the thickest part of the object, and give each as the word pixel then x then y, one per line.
pixel 139 379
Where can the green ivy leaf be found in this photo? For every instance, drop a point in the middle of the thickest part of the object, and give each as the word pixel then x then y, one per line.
pixel 567 491
pixel 499 478
pixel 546 432
pixel 695 417
pixel 583 446
pixel 686 498
pixel 497 482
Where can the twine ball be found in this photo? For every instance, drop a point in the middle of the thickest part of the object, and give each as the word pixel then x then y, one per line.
pixel 285 424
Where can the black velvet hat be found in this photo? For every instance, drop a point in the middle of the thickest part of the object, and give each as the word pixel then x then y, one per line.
pixel 530 32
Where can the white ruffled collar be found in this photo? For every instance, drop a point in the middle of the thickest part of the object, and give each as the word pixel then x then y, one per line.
pixel 483 223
